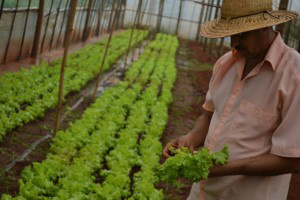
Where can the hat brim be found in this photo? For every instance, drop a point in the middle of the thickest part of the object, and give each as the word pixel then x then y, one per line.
pixel 220 28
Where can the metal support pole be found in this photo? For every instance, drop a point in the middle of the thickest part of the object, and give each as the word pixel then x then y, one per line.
pixel 24 31
pixel 85 32
pixel 179 17
pixel 106 49
pixel 64 61
pixel 38 30
pixel 10 33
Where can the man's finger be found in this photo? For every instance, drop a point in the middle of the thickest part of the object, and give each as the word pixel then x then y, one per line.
pixel 166 151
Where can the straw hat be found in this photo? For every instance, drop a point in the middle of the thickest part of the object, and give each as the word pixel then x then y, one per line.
pixel 239 16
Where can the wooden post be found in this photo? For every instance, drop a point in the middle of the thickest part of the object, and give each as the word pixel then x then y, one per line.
pixel 24 31
pixel 11 31
pixel 179 16
pixel 38 30
pixel 282 6
pixel 62 70
pixel 118 8
pixel 85 32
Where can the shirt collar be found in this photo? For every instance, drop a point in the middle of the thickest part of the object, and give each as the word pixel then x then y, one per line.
pixel 276 51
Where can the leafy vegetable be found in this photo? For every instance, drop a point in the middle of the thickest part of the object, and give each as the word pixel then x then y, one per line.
pixel 193 166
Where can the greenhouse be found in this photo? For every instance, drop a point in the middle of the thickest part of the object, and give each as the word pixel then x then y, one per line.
pixel 149 99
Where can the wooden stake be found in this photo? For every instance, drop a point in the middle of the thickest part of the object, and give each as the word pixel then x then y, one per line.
pixel 107 48
pixel 64 61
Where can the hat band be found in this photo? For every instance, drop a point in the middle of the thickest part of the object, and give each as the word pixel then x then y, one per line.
pixel 264 12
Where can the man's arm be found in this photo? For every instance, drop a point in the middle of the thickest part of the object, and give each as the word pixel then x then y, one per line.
pixel 195 137
pixel 264 165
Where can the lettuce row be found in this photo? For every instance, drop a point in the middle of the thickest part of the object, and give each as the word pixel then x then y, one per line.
pixel 77 153
pixel 34 91
pixel 150 146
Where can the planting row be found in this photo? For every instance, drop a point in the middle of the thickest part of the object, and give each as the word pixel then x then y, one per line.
pixel 97 156
pixel 27 94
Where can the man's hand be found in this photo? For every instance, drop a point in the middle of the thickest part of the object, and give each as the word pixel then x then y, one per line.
pixel 194 138
pixel 182 141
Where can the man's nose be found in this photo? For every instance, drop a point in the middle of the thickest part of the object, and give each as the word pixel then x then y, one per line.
pixel 235 41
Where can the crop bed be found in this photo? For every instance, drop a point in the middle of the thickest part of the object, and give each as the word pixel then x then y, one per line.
pixel 105 153
pixel 35 90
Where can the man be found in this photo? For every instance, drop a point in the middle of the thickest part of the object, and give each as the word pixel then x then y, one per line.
pixel 253 106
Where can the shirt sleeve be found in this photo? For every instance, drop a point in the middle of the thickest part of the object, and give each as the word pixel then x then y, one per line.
pixel 286 138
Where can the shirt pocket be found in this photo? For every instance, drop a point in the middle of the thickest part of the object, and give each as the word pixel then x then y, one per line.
pixel 251 127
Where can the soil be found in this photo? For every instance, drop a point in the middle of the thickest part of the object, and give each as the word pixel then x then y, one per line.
pixel 194 72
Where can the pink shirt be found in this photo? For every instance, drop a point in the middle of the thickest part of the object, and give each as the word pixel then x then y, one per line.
pixel 257 115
